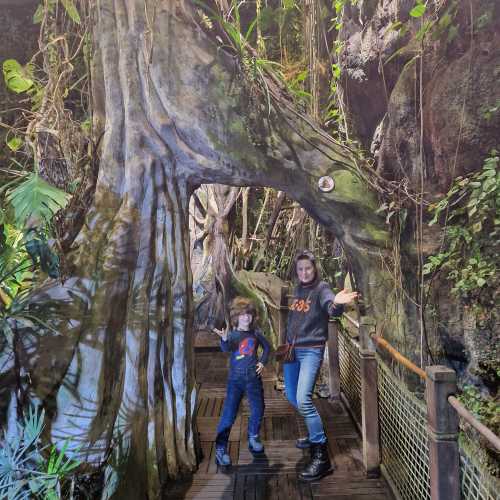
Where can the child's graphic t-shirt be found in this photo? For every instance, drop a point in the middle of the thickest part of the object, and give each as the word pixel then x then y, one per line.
pixel 243 347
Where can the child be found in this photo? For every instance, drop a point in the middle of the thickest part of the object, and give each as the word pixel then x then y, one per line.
pixel 245 369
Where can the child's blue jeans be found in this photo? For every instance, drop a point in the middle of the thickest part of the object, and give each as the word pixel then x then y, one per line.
pixel 241 382
pixel 300 377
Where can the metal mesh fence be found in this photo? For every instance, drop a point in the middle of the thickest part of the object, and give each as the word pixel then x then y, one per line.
pixel 475 483
pixel 403 432
pixel 350 377
pixel 403 436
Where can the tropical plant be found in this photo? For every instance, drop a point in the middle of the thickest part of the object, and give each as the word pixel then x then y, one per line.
pixel 36 201
pixel 35 198
pixel 25 471
pixel 14 264
pixel 472 228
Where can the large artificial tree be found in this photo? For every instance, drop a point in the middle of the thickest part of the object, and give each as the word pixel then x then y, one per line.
pixel 115 368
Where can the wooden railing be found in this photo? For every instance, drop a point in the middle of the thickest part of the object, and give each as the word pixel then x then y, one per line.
pixel 443 408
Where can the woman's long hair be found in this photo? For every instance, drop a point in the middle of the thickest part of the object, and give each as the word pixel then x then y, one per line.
pixel 306 255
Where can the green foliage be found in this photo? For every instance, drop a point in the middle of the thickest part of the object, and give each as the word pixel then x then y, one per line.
pixel 296 86
pixel 68 5
pixel 71 10
pixel 14 143
pixel 232 26
pixel 15 273
pixel 333 114
pixel 470 256
pixel 338 6
pixel 487 411
pixel 438 25
pixel 25 473
pixel 418 10
pixel 21 79
pixel 17 78
pixel 21 250
pixel 484 409
pixel 35 198
pixel 490 111
pixel 239 34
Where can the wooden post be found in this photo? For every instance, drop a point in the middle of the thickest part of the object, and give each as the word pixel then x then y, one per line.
pixel 369 399
pixel 333 360
pixel 283 314
pixel 442 420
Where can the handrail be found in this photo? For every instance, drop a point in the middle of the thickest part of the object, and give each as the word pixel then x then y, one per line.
pixel 488 434
pixel 351 320
pixel 443 462
pixel 398 356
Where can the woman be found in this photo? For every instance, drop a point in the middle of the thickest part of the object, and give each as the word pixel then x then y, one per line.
pixel 312 305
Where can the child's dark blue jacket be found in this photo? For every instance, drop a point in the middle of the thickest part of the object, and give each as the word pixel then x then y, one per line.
pixel 243 348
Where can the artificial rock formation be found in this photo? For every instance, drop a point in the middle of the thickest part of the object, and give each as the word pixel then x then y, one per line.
pixel 402 94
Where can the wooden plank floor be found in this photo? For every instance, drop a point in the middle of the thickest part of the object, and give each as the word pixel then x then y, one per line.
pixel 274 475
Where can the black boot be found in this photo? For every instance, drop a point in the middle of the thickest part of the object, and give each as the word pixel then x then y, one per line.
pixel 303 443
pixel 319 466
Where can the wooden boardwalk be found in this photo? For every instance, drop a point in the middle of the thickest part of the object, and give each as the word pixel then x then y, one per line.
pixel 274 475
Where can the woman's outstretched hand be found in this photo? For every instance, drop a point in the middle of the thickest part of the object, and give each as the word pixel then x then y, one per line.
pixel 259 368
pixel 345 297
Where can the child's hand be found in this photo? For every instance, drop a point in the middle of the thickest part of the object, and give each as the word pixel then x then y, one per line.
pixel 221 333
pixel 259 368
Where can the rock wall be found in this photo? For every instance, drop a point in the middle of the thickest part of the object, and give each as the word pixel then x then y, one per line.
pixel 396 87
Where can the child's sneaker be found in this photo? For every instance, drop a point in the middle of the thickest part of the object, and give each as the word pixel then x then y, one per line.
pixel 255 445
pixel 221 457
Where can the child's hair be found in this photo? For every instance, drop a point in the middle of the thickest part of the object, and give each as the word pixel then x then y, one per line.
pixel 241 305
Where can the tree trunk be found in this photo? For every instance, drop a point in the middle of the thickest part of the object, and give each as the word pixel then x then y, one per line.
pixel 118 374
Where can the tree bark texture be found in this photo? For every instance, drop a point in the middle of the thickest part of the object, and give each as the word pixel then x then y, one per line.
pixel 115 369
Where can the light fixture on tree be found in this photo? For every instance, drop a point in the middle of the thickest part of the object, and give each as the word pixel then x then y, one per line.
pixel 326 184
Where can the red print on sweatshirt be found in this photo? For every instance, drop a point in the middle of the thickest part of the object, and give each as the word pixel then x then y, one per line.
pixel 247 346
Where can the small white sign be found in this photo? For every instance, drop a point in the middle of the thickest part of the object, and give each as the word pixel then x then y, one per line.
pixel 326 184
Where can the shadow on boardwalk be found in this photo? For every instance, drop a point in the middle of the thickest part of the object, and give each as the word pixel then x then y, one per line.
pixel 273 475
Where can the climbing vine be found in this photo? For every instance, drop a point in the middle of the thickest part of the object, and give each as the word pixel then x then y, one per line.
pixel 50 161
pixel 471 213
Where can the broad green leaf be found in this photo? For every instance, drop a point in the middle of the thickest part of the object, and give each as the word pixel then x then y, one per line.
pixel 16 77
pixel 418 10
pixel 71 10
pixel 336 71
pixel 15 143
pixel 36 198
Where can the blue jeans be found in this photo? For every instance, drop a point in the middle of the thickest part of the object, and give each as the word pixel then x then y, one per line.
pixel 241 382
pixel 300 377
